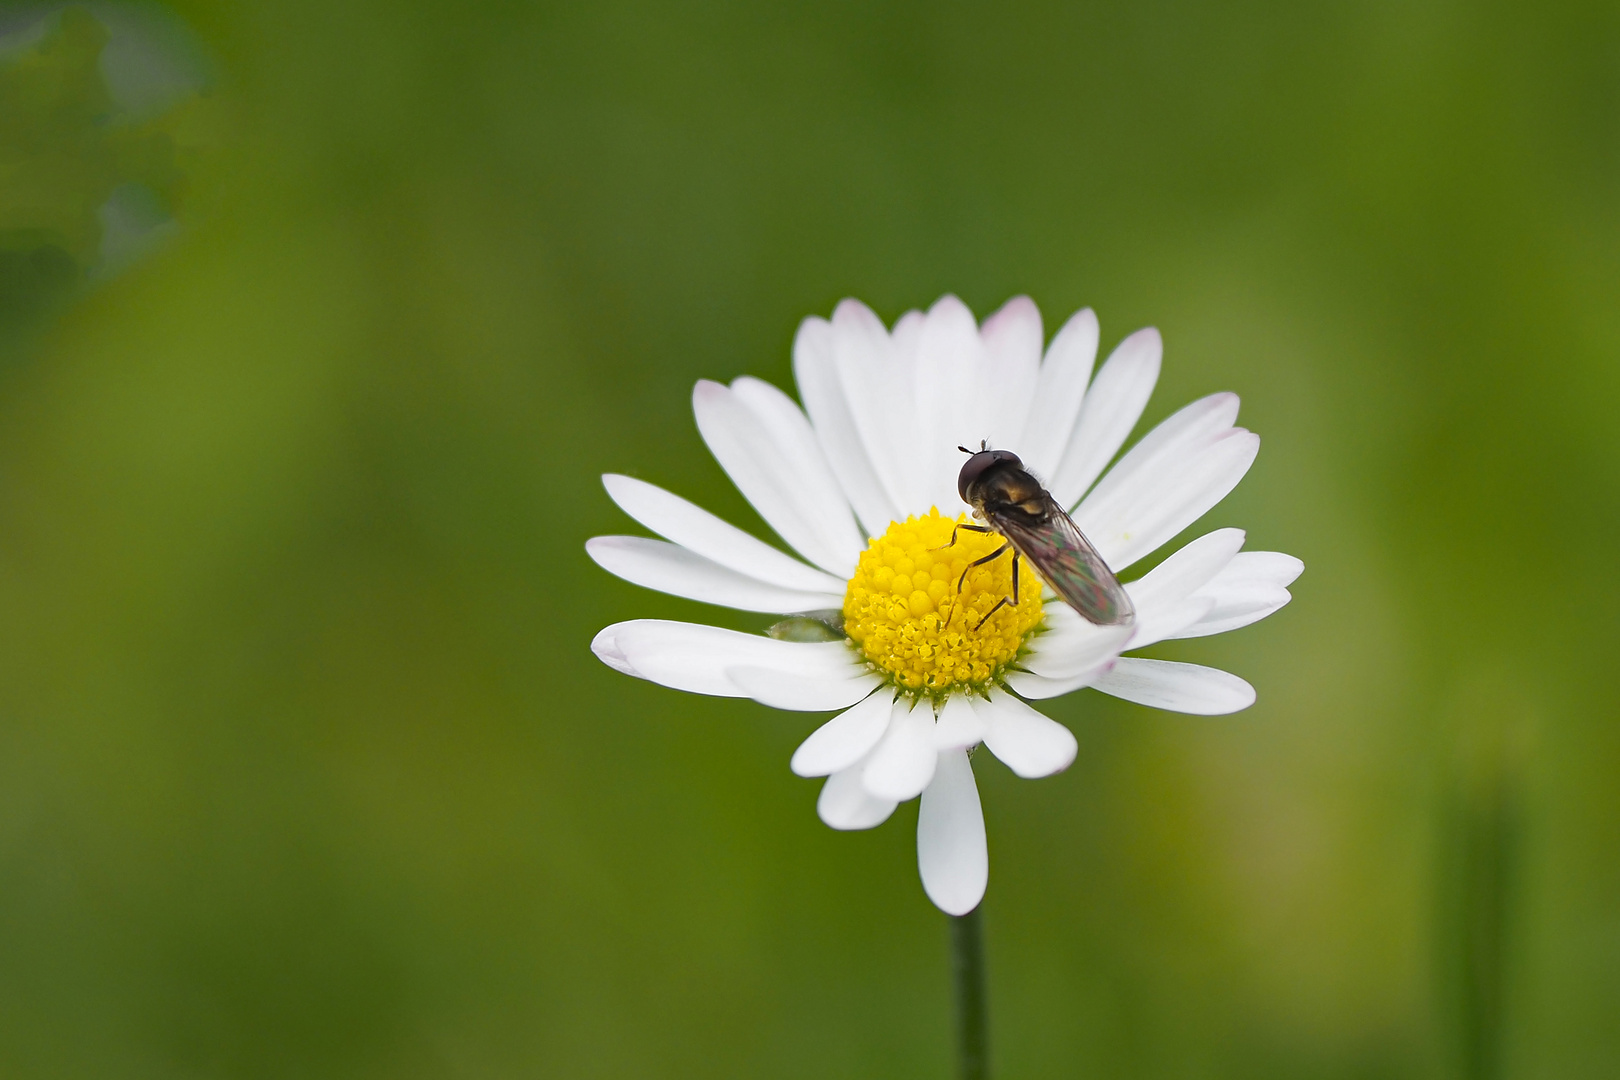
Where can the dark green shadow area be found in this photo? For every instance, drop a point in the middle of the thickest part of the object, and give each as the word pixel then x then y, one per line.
pixel 94 110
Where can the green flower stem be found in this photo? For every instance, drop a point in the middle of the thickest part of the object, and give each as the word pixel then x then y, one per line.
pixel 967 972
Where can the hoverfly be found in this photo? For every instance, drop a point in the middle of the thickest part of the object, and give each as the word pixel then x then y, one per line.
pixel 1014 506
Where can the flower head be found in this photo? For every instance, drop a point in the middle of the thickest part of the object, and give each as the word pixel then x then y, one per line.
pixel 897 616
pixel 926 618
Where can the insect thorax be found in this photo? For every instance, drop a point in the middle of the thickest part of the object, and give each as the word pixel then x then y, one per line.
pixel 1006 486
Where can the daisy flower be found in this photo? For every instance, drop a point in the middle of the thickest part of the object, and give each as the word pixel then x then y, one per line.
pixel 886 616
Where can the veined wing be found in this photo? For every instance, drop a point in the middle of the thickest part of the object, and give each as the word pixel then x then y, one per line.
pixel 1053 544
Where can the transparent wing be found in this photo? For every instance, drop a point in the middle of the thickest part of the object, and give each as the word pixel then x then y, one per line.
pixel 1053 544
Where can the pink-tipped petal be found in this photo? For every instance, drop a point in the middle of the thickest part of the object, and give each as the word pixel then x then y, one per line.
pixel 1113 404
pixel 696 658
pixel 1126 523
pixel 815 368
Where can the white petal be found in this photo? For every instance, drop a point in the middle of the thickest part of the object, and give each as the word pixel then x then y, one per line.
pixel 1039 687
pixel 952 399
pixel 1028 742
pixel 1188 570
pixel 1111 408
pixel 1270 567
pixel 907 334
pixel 845 739
pixel 1253 585
pixel 904 423
pixel 1060 389
pixel 801 693
pixel 1168 446
pixel 815 368
pixel 606 647
pixel 772 480
pixel 1194 424
pixel 877 389
pixel 1170 621
pixel 1127 523
pixel 1223 617
pixel 1166 598
pixel 1188 688
pixel 670 568
pixel 958 724
pixel 1070 645
pixel 694 657
pixel 845 804
pixel 1012 340
pixel 695 529
pixel 903 762
pixel 817 486
pixel 952 856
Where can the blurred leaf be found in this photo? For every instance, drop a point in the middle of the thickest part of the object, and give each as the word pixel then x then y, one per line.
pixel 64 151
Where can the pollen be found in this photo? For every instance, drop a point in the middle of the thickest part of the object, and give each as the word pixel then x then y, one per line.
pixel 904 611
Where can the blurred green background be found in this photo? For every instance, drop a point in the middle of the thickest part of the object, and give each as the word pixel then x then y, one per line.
pixel 318 322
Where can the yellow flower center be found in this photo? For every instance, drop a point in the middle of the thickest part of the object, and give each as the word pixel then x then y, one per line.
pixel 905 613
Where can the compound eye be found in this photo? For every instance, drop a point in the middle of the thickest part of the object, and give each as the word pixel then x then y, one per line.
pixel 974 468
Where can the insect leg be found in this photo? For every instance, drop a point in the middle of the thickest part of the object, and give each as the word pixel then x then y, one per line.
pixel 1003 602
pixel 996 554
pixel 959 528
